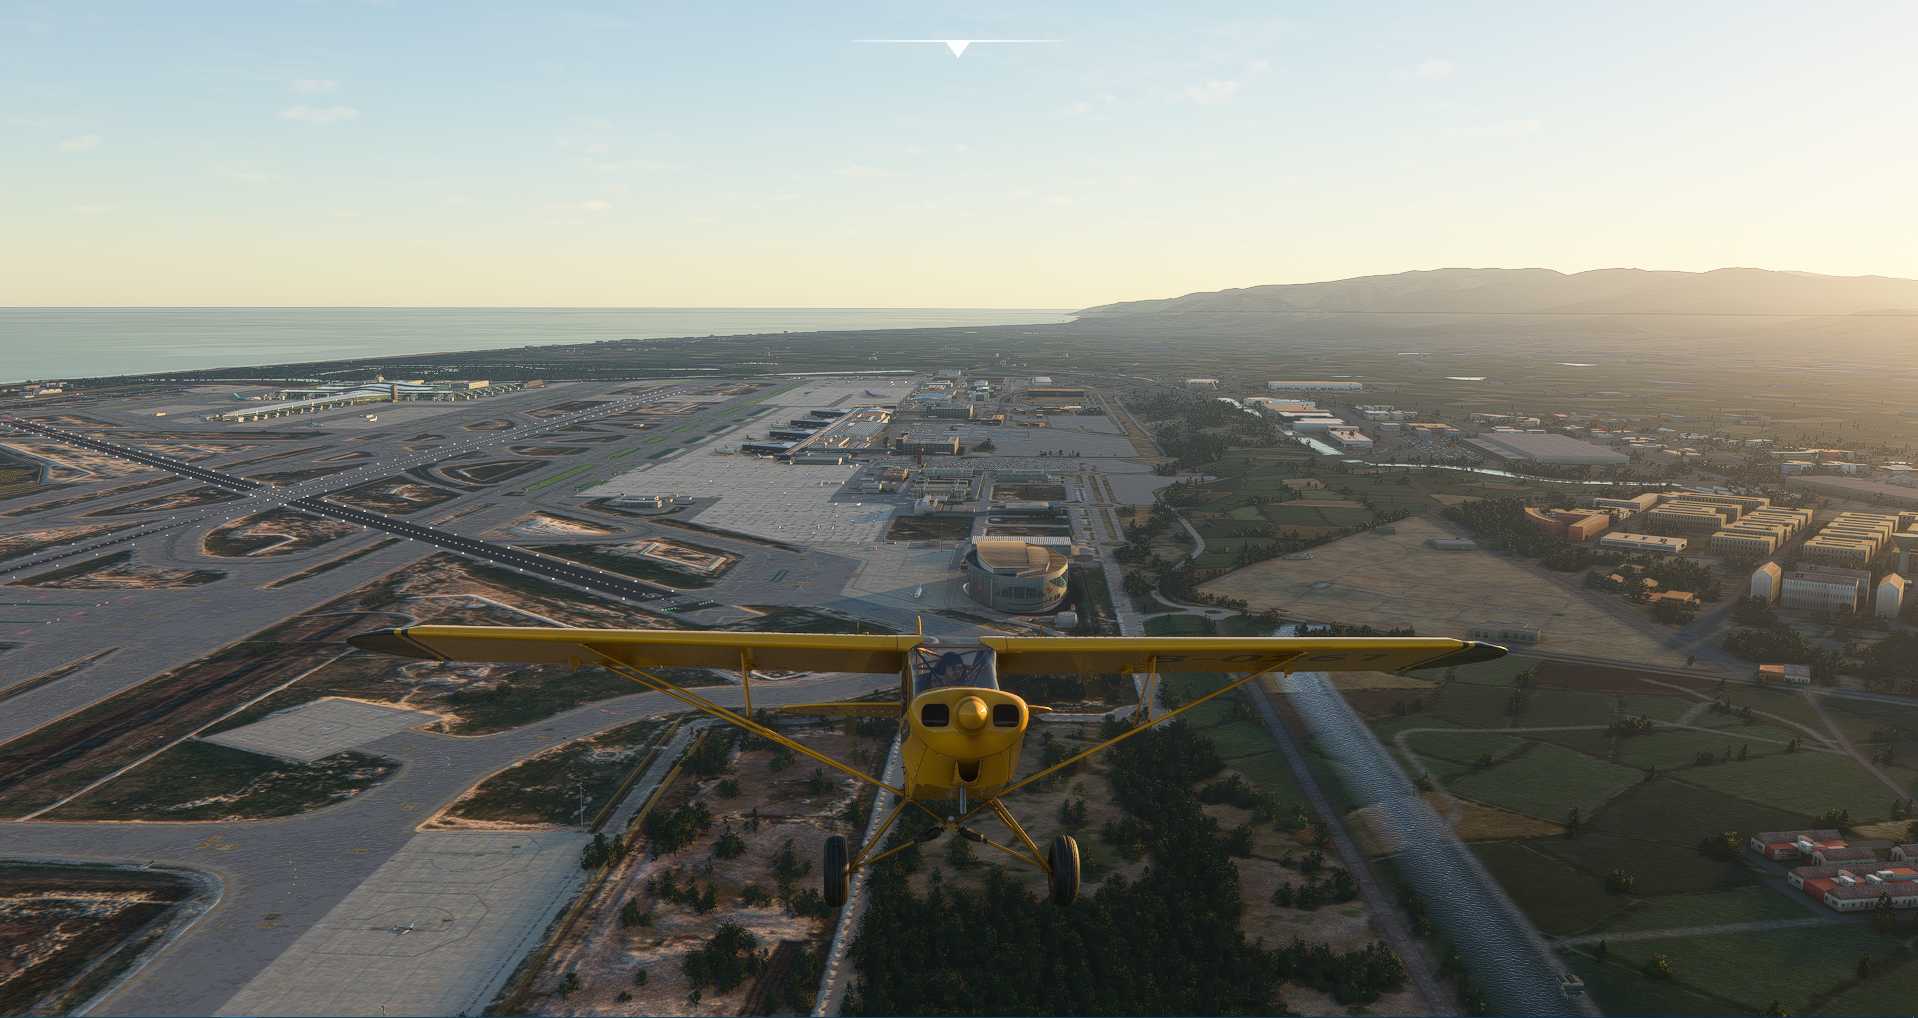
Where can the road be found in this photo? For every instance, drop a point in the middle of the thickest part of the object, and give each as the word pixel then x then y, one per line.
pixel 282 876
pixel 544 566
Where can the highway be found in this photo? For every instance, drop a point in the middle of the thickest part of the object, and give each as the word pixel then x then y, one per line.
pixel 315 502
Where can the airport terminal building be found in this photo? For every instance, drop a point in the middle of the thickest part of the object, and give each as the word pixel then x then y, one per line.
pixel 1013 576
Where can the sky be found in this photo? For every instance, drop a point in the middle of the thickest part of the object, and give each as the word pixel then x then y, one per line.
pixel 349 152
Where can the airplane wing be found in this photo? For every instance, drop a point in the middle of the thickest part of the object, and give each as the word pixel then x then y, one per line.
pixel 1096 655
pixel 846 709
pixel 646 648
pixel 629 652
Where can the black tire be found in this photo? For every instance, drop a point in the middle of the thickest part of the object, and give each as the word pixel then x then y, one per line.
pixel 1064 860
pixel 834 872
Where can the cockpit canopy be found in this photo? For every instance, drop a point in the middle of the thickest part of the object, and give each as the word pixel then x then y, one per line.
pixel 944 668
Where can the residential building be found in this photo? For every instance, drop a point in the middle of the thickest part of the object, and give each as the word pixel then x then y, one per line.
pixel 1570 524
pixel 1686 517
pixel 1201 383
pixel 1824 589
pixel 1784 675
pixel 1766 580
pixel 1890 600
pixel 1781 845
pixel 1748 540
pixel 1643 544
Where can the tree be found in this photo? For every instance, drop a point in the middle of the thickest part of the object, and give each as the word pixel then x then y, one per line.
pixel 568 984
pixel 729 845
pixel 1864 967
pixel 631 915
pixel 729 788
pixel 640 976
pixel 1659 966
pixel 959 853
pixel 1572 823
pixel 1620 882
pixel 725 960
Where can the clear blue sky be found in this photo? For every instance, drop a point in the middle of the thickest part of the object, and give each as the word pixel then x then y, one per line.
pixel 731 154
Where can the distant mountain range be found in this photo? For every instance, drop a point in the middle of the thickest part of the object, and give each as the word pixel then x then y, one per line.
pixel 1546 292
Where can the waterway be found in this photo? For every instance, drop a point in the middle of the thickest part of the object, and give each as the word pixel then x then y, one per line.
pixel 64 343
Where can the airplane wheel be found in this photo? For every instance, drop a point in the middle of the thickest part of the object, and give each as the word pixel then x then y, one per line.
pixel 835 872
pixel 1064 860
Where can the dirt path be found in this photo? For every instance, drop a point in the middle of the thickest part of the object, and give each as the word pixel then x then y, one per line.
pixel 1755 926
pixel 1844 744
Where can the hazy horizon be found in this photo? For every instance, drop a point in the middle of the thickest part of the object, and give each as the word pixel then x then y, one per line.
pixel 332 155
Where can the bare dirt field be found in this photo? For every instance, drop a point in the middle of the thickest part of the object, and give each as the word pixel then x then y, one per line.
pixel 278 532
pixel 393 496
pixel 117 572
pixel 1395 580
pixel 775 807
pixel 473 698
pixel 556 525
pixel 26 542
pixel 192 498
pixel 71 463
pixel 67 931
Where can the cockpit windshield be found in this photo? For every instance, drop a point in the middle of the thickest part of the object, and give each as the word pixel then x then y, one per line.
pixel 934 668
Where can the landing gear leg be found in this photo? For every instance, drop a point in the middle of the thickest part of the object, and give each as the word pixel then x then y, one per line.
pixel 835 872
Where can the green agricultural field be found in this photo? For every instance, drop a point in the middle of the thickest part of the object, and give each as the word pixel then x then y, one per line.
pixel 1654 706
pixel 1742 905
pixel 1793 966
pixel 1675 813
pixel 1671 750
pixel 1560 900
pixel 1464 746
pixel 1626 991
pixel 1658 867
pixel 1805 782
pixel 1547 781
pixel 1888 991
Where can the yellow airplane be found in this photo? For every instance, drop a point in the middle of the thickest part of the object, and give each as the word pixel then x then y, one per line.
pixel 962 732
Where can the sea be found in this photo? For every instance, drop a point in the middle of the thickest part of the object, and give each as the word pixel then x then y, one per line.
pixel 62 343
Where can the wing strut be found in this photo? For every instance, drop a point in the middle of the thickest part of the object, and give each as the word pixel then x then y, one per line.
pixel 1121 737
pixel 700 703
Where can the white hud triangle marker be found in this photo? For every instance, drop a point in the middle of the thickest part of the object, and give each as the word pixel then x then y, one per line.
pixel 957 47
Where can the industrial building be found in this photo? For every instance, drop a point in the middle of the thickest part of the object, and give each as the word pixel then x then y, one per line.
pixel 1015 576
pixel 1546 447
pixel 1430 432
pixel 1321 386
pixel 1349 439
pixel 1825 589
pixel 929 445
pixel 1643 544
pixel 298 400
